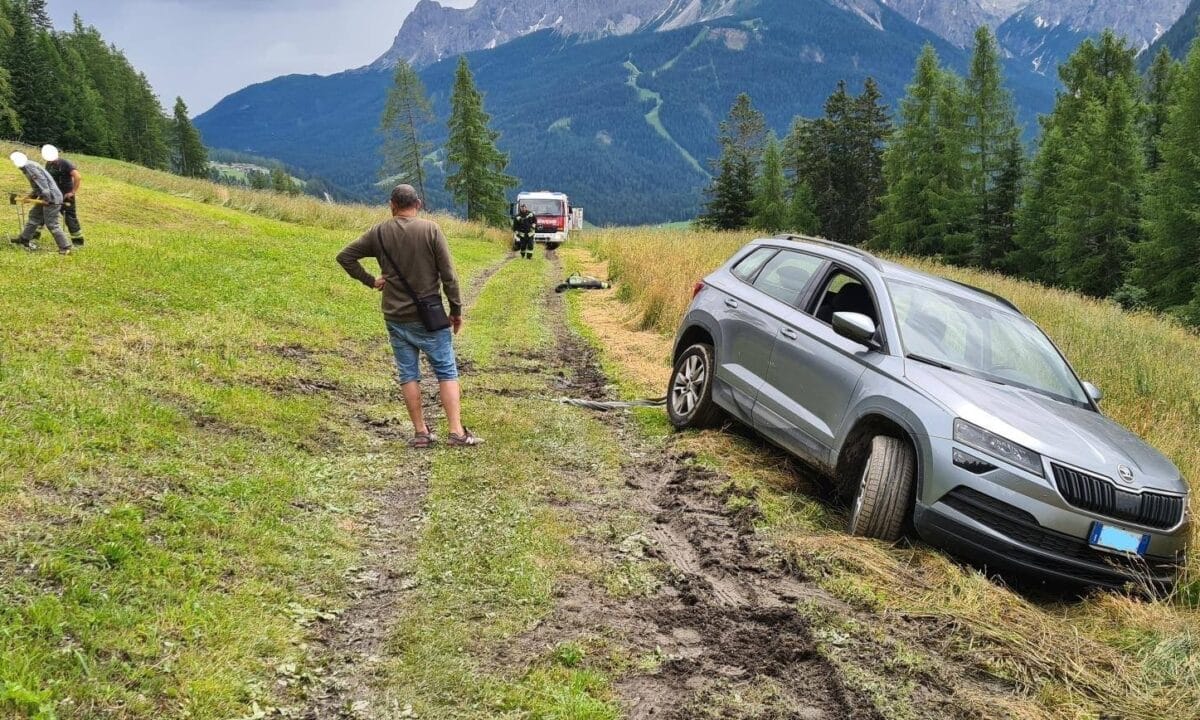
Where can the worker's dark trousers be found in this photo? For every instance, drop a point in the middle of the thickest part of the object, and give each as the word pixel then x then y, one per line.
pixel 70 212
pixel 525 246
pixel 45 215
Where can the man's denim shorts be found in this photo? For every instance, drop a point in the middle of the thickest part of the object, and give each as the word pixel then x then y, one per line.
pixel 410 340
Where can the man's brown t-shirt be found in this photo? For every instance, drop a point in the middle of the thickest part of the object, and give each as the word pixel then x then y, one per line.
pixel 420 249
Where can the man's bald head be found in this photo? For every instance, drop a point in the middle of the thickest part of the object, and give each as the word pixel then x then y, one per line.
pixel 405 197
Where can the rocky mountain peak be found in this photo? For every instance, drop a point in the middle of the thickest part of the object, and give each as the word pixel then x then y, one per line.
pixel 434 32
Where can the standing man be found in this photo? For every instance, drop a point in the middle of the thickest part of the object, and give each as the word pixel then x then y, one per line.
pixel 68 179
pixel 524 226
pixel 44 189
pixel 413 250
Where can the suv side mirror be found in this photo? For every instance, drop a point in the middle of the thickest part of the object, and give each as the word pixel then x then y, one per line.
pixel 855 326
pixel 1095 393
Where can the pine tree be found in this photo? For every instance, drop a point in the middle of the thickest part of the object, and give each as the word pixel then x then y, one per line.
pixel 145 128
pixel 24 57
pixel 871 129
pixel 478 179
pixel 191 157
pixel 1160 79
pixel 1167 265
pixel 771 209
pixel 992 134
pixel 1083 198
pixel 1007 197
pixel 1099 216
pixel 405 115
pixel 10 122
pixel 89 124
pixel 802 210
pixel 839 157
pixel 926 207
pixel 731 195
pixel 39 15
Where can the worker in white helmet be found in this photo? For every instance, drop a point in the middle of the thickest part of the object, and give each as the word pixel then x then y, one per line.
pixel 46 210
pixel 69 180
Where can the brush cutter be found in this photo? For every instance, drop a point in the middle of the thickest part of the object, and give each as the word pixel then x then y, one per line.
pixel 20 201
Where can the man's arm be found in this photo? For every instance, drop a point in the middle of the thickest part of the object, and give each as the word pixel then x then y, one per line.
pixel 350 259
pixel 445 267
pixel 76 181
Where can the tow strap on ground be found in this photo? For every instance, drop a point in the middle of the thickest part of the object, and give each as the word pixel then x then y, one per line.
pixel 616 405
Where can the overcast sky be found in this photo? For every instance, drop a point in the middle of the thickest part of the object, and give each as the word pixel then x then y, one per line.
pixel 206 49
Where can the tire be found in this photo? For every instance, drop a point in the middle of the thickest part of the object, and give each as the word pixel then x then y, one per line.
pixel 553 246
pixel 883 502
pixel 689 393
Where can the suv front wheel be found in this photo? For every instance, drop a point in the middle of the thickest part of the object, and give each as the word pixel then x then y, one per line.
pixel 689 396
pixel 882 503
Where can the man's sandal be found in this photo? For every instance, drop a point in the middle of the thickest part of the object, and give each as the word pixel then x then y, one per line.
pixel 467 439
pixel 422 441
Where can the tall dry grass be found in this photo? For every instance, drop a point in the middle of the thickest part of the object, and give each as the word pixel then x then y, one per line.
pixel 1107 656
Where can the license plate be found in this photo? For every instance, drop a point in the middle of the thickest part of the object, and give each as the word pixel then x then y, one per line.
pixel 1112 538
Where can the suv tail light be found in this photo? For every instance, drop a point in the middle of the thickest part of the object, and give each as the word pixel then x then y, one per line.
pixel 696 290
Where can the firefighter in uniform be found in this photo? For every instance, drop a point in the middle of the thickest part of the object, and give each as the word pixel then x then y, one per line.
pixel 68 179
pixel 524 227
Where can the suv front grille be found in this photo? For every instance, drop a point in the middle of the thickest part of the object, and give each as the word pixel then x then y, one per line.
pixel 1095 494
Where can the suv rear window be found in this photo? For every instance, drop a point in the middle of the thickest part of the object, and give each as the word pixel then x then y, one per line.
pixel 787 274
pixel 752 263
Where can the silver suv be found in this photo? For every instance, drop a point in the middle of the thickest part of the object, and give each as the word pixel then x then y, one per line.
pixel 930 401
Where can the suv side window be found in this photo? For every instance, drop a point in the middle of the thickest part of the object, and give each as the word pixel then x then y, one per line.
pixel 752 263
pixel 844 292
pixel 787 274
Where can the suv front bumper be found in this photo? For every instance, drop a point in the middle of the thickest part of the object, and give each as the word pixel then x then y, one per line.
pixel 1009 518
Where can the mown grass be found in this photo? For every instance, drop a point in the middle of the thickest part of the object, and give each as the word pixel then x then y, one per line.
pixel 173 486
pixel 1107 655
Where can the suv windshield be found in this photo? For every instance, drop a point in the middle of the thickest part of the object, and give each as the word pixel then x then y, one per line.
pixel 545 207
pixel 982 341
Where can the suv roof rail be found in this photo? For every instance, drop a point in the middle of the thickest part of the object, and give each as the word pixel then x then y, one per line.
pixel 998 298
pixel 874 261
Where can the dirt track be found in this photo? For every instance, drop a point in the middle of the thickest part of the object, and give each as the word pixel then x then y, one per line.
pixel 722 621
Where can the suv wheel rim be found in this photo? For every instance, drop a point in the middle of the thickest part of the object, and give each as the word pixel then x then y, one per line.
pixel 689 385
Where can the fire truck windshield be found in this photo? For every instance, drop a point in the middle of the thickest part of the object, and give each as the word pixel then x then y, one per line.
pixel 545 207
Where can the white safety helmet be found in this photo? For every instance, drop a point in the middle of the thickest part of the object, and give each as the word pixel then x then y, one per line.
pixel 19 159
pixel 49 153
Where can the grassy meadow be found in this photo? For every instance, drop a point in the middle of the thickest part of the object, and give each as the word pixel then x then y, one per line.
pixel 1106 656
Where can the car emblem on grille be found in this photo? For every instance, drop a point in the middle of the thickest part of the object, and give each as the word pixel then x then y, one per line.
pixel 1125 474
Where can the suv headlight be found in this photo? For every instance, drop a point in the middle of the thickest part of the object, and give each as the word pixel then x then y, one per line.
pixel 992 444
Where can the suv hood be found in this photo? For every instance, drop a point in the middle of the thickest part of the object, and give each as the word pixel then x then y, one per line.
pixel 1058 430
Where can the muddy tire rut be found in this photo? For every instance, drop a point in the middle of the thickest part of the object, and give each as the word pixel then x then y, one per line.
pixel 722 623
pixel 350 648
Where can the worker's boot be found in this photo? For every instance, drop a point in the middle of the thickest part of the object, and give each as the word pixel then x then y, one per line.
pixel 77 241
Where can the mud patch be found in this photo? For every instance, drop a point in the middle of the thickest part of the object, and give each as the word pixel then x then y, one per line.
pixel 759 663
pixel 721 625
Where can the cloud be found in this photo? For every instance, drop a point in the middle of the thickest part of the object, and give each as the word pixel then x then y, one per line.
pixel 203 50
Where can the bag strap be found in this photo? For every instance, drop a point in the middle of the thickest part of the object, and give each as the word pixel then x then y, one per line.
pixel 395 266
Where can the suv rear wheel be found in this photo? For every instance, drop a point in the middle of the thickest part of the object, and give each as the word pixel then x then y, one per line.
pixel 689 397
pixel 882 503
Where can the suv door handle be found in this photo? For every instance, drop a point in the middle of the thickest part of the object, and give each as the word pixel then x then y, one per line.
pixel 789 333
pixel 731 303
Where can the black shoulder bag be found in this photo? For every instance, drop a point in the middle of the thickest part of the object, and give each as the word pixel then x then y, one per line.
pixel 430 308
